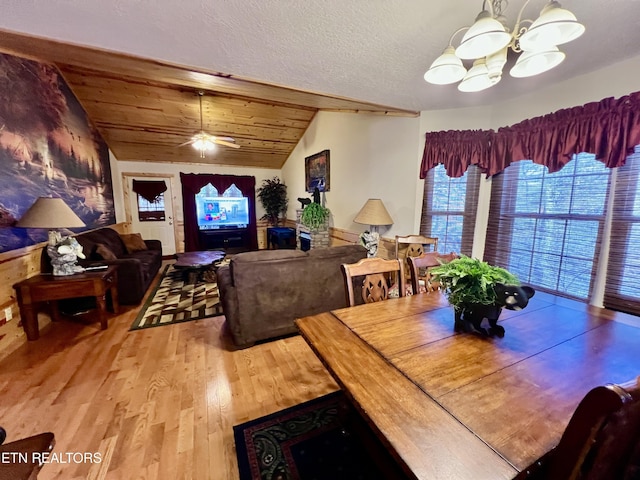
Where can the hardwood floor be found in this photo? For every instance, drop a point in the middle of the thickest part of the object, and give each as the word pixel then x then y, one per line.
pixel 158 403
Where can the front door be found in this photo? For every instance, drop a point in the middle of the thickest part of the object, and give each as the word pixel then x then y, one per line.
pixel 158 225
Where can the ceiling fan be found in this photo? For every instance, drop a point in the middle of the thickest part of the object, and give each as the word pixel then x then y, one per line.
pixel 205 142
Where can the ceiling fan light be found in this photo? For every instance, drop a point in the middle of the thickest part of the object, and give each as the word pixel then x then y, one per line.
pixel 486 36
pixel 204 145
pixel 446 69
pixel 554 26
pixel 477 78
pixel 535 63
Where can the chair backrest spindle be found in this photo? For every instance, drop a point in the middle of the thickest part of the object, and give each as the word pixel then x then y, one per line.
pixel 375 285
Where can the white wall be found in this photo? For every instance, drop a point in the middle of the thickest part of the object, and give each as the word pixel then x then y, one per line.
pixel 615 80
pixel 371 156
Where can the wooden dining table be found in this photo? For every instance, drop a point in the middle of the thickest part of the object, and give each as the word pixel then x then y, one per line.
pixel 460 406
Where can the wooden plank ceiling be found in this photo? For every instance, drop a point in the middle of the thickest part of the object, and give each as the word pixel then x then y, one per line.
pixel 145 109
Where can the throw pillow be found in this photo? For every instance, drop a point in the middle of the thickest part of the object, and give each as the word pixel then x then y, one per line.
pixel 133 242
pixel 105 252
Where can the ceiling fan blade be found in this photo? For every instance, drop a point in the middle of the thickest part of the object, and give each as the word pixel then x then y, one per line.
pixel 225 143
pixel 185 143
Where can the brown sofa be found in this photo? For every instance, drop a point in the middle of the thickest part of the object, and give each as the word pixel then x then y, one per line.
pixel 136 270
pixel 263 292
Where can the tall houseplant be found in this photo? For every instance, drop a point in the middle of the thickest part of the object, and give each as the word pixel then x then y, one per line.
pixel 478 292
pixel 273 197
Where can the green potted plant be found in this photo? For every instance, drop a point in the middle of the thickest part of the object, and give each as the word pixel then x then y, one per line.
pixel 273 197
pixel 314 216
pixel 478 292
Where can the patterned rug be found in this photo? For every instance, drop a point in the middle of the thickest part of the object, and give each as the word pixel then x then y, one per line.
pixel 314 440
pixel 181 296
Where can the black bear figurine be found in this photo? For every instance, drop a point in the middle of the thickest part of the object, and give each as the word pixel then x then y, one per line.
pixel 471 318
pixel 304 201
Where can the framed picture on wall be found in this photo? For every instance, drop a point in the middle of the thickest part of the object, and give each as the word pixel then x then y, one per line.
pixel 316 172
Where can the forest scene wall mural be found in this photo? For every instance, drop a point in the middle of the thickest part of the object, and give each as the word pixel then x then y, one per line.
pixel 48 148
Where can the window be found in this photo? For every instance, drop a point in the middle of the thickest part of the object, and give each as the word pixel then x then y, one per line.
pixel 547 227
pixel 151 211
pixel 449 209
pixel 622 291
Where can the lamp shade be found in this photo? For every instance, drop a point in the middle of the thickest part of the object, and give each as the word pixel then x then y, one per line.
pixel 486 36
pixel 49 212
pixel 534 63
pixel 373 213
pixel 477 78
pixel 554 26
pixel 446 69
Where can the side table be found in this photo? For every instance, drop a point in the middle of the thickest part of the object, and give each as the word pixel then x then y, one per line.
pixel 50 288
pixel 281 237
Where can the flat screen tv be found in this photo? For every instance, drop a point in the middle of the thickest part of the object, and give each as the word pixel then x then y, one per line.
pixel 222 212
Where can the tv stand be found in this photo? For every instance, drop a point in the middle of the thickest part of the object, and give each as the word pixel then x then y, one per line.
pixel 234 240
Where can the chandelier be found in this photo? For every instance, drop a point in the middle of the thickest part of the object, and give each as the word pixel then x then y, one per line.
pixel 488 40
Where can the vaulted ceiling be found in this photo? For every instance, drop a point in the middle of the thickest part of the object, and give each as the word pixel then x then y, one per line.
pixel 145 109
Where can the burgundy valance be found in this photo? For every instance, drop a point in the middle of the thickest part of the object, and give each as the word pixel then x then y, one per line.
pixel 149 189
pixel 456 150
pixel 610 129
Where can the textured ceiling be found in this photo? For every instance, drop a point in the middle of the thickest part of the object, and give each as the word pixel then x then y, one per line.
pixel 371 50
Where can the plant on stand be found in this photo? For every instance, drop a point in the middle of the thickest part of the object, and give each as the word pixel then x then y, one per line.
pixel 273 197
pixel 478 292
pixel 315 216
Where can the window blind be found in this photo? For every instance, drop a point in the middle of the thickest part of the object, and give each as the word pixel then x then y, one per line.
pixel 622 290
pixel 449 209
pixel 546 228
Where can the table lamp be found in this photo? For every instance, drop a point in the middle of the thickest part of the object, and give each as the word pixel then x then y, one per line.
pixel 54 214
pixel 373 213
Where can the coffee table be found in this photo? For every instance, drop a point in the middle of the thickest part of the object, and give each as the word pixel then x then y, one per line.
pixel 195 263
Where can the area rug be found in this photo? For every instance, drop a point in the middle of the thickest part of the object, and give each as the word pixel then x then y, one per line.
pixel 313 440
pixel 176 299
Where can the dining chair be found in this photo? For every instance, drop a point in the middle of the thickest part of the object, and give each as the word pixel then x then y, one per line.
pixel 414 245
pixel 378 274
pixel 601 440
pixel 25 455
pixel 419 270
